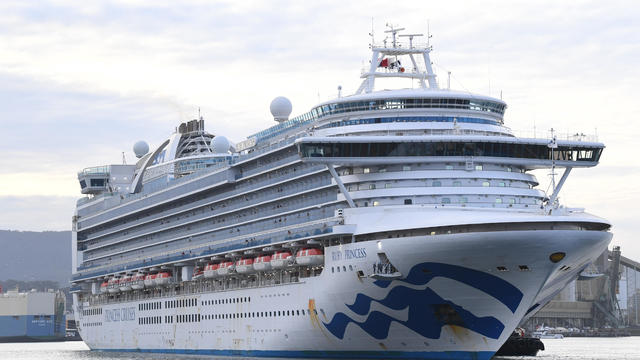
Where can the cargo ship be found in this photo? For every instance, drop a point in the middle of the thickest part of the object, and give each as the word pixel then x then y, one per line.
pixel 32 316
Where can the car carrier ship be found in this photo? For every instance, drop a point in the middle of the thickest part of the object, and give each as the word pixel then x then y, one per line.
pixel 32 316
pixel 399 223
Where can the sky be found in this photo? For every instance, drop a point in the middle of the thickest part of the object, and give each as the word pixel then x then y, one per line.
pixel 81 82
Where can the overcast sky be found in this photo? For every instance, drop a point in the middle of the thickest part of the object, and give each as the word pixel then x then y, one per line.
pixel 80 84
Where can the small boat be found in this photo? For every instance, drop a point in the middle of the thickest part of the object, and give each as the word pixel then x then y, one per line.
pixel 281 259
pixel 546 335
pixel 225 268
pixel 211 271
pixel 137 281
pixel 104 287
pixel 262 263
pixel 197 274
pixel 311 256
pixel 125 283
pixel 163 278
pixel 150 280
pixel 244 266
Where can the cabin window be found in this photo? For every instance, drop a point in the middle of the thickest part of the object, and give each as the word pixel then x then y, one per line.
pixel 485 183
pixel 408 201
pixel 406 168
pixel 479 167
pixel 437 183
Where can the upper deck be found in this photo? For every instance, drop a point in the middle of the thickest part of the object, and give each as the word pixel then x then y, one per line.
pixel 198 196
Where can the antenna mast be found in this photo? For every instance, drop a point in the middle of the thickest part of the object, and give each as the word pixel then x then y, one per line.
pixel 386 60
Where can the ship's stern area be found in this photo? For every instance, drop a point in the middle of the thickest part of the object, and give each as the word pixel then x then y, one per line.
pixel 444 292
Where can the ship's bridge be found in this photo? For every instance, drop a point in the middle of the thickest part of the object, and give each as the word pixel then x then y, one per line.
pixel 106 178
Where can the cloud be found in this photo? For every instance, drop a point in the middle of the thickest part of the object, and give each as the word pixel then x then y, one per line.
pixel 81 82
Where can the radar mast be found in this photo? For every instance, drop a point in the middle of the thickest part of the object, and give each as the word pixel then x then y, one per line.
pixel 385 62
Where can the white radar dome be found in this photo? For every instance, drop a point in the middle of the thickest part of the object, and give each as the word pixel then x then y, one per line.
pixel 280 108
pixel 220 145
pixel 141 148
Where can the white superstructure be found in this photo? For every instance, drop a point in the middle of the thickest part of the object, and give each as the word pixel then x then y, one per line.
pixel 386 224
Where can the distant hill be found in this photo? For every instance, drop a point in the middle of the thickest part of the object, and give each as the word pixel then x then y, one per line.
pixel 35 256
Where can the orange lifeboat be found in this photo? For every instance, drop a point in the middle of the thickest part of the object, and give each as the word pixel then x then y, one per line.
pixel 244 266
pixel 113 285
pixel 281 259
pixel 311 256
pixel 197 274
pixel 150 280
pixel 211 271
pixel 125 283
pixel 104 287
pixel 137 281
pixel 225 268
pixel 163 278
pixel 262 263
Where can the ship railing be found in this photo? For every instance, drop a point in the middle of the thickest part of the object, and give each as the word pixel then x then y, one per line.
pixel 96 170
pixel 568 136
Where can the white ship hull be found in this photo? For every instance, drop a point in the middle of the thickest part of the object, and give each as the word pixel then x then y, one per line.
pixel 451 302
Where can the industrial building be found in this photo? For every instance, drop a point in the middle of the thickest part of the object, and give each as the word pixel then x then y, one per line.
pixel 607 294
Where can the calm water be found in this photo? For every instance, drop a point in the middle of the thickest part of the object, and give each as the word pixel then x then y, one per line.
pixel 569 348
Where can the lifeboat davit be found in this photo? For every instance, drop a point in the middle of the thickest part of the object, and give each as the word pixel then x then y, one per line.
pixel 197 274
pixel 280 260
pixel 137 281
pixel 211 271
pixel 311 256
pixel 225 268
pixel 244 266
pixel 104 287
pixel 163 278
pixel 150 280
pixel 125 283
pixel 113 285
pixel 262 263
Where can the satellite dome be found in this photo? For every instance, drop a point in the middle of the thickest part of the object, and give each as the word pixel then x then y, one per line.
pixel 141 148
pixel 220 145
pixel 280 108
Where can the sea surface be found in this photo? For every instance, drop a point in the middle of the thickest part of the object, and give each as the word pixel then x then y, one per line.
pixel 568 348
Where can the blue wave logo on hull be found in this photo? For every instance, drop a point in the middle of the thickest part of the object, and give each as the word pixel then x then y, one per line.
pixel 427 311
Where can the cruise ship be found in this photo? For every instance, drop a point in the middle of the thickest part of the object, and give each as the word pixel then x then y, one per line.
pixel 400 223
